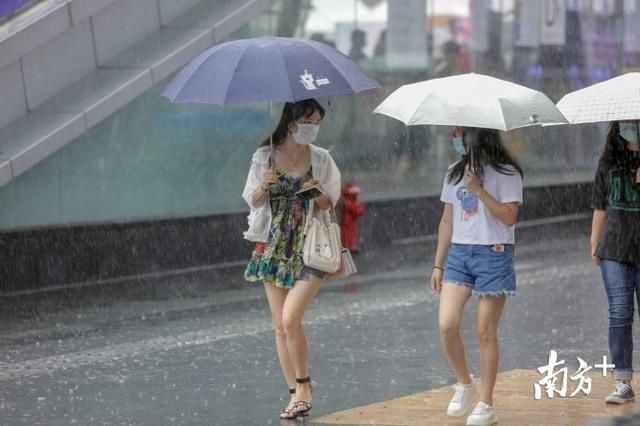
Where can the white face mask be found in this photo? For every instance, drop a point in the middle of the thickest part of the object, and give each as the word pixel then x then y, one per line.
pixel 306 134
pixel 629 131
pixel 459 146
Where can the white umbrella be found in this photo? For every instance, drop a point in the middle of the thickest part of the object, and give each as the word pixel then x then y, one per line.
pixel 614 99
pixel 470 100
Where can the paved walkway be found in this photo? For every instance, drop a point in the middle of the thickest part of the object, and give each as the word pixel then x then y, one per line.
pixel 515 405
pixel 208 358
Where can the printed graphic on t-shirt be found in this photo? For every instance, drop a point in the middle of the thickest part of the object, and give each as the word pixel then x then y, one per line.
pixel 623 194
pixel 469 202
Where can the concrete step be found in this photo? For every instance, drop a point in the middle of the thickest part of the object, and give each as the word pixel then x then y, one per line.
pixel 49 126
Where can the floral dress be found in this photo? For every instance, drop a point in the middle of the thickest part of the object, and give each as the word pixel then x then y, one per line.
pixel 279 260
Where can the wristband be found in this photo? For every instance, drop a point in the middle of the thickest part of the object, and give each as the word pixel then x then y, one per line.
pixel 438 267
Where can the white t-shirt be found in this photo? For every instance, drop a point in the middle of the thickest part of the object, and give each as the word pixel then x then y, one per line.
pixel 473 223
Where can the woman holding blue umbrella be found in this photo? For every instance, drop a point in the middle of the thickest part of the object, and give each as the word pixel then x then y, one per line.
pixel 284 164
pixel 291 70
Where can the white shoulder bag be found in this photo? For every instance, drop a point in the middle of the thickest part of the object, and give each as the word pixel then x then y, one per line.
pixel 322 246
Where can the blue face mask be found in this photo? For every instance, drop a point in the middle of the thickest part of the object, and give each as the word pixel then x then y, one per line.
pixel 629 131
pixel 458 145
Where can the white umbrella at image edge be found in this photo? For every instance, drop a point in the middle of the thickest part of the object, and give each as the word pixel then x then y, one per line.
pixel 611 100
pixel 470 100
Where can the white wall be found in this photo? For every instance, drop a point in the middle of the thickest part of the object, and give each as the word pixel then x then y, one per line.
pixel 122 24
pixel 58 63
pixel 13 103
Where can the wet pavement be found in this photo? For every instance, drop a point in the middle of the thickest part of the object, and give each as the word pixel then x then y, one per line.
pixel 205 357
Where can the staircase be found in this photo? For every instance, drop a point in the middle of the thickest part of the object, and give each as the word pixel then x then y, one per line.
pixel 66 65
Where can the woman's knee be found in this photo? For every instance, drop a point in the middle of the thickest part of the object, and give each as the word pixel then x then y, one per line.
pixel 290 323
pixel 278 326
pixel 486 335
pixel 449 330
pixel 620 315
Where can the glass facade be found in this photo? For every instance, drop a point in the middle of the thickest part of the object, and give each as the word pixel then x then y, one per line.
pixel 153 159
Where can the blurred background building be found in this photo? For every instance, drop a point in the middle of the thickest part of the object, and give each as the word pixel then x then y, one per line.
pixel 85 138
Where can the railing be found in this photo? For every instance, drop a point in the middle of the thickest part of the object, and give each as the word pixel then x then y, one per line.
pixel 9 8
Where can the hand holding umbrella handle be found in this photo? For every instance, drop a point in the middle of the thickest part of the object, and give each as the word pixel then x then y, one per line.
pixel 268 179
pixel 472 182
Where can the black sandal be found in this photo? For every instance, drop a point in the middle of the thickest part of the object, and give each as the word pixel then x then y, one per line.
pixel 302 408
pixel 285 413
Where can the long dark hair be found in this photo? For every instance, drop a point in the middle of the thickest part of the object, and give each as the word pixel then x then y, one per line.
pixel 486 149
pixel 615 151
pixel 290 113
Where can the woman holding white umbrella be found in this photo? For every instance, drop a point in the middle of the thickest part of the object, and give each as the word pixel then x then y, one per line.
pixel 475 256
pixel 482 193
pixel 615 249
pixel 615 229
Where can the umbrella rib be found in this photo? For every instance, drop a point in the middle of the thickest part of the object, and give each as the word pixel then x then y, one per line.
pixel 422 102
pixel 504 120
pixel 194 71
pixel 235 68
pixel 284 67
pixel 179 91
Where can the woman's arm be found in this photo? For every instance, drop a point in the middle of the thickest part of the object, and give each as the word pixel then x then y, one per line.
pixel 597 226
pixel 259 196
pixel 445 232
pixel 330 185
pixel 323 201
pixel 599 203
pixel 256 189
pixel 506 213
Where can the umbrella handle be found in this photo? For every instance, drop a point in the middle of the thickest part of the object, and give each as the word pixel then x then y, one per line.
pixel 270 132
pixel 470 165
pixel 270 138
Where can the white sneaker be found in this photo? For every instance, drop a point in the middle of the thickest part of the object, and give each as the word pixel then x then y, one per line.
pixel 483 414
pixel 462 400
pixel 622 394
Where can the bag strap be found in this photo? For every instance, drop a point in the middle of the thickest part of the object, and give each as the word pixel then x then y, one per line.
pixel 312 204
pixel 334 219
pixel 332 215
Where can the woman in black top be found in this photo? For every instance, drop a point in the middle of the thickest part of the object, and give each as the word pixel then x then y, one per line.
pixel 615 245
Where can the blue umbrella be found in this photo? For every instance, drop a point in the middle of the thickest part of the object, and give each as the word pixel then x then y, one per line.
pixel 275 69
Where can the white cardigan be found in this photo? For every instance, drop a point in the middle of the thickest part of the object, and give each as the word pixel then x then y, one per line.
pixel 323 168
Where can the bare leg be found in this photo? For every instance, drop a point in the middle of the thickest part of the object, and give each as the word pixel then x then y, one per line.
pixel 452 301
pixel 276 297
pixel 295 306
pixel 489 311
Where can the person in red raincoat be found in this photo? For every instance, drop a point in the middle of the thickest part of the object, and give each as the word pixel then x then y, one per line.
pixel 351 210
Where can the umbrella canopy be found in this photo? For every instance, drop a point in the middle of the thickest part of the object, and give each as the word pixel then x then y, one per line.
pixel 470 100
pixel 267 69
pixel 614 99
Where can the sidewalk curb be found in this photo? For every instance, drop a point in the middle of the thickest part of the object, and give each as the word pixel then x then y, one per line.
pixel 228 272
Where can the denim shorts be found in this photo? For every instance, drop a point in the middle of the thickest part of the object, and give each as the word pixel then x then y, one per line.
pixel 486 270
pixel 307 272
